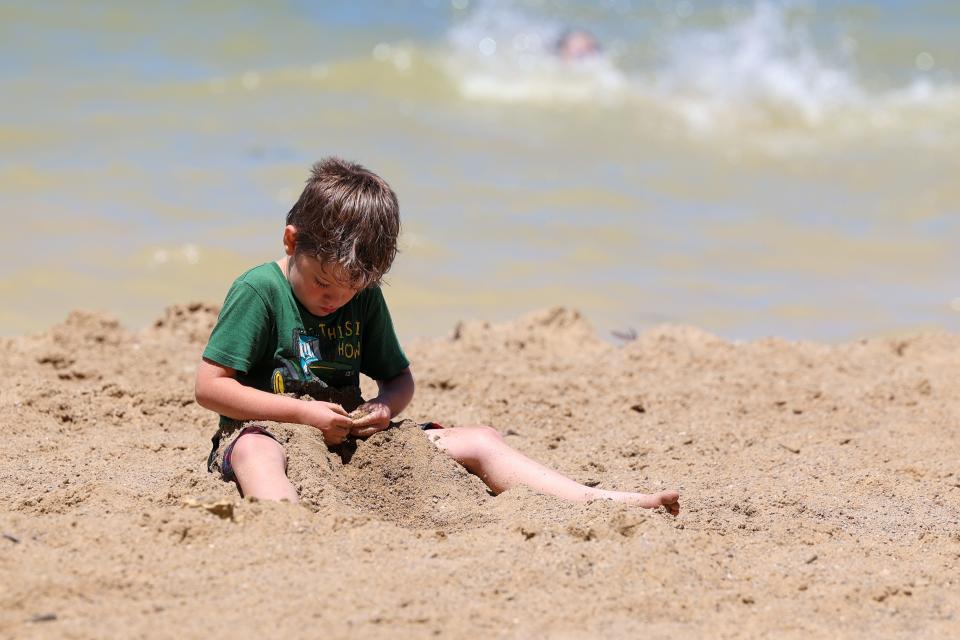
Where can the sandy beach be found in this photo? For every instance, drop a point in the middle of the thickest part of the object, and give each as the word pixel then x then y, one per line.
pixel 820 492
pixel 704 175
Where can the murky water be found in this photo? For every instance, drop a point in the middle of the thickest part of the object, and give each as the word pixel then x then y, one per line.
pixel 769 168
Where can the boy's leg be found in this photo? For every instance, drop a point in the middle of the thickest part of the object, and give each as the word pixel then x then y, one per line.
pixel 484 453
pixel 259 463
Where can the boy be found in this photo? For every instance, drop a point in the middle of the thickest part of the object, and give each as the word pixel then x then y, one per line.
pixel 316 318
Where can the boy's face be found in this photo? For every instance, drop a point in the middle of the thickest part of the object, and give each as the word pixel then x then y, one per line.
pixel 321 288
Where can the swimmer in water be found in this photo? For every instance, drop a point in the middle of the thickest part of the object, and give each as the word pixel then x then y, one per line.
pixel 576 44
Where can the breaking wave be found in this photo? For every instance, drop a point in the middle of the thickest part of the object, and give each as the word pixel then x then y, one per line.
pixel 759 70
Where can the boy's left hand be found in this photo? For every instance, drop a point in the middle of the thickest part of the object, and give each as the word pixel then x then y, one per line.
pixel 374 416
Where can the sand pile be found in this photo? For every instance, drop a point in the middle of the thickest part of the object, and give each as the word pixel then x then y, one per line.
pixel 821 492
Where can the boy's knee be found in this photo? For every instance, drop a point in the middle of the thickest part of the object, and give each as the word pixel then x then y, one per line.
pixel 487 433
pixel 468 444
pixel 254 447
pixel 483 437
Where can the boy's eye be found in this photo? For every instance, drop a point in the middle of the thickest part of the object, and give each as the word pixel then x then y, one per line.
pixel 321 284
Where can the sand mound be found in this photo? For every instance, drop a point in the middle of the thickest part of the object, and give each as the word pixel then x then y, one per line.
pixel 401 477
pixel 190 322
pixel 821 493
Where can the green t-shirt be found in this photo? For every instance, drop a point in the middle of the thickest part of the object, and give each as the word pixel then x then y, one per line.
pixel 262 321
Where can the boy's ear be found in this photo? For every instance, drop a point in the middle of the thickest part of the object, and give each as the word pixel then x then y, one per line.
pixel 290 239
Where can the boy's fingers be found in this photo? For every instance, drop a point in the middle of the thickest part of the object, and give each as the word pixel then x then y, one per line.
pixel 371 415
pixel 337 429
pixel 337 409
pixel 336 434
pixel 341 422
pixel 368 420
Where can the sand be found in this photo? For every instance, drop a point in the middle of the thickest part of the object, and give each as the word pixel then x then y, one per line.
pixel 820 492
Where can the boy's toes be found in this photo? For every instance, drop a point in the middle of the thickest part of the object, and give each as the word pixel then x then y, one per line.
pixel 669 497
pixel 670 501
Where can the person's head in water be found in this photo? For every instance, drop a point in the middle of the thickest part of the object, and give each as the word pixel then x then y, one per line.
pixel 576 44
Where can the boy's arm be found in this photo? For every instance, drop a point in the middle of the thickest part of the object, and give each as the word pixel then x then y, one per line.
pixel 218 389
pixel 394 396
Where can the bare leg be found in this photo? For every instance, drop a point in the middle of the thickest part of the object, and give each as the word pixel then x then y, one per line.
pixel 484 453
pixel 259 463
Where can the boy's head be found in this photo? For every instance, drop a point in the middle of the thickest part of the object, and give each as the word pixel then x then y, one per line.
pixel 348 218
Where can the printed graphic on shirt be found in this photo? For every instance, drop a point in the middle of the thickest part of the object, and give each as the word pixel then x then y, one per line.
pixel 333 355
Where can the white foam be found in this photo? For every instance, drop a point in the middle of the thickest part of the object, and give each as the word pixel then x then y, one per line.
pixel 759 67
pixel 762 71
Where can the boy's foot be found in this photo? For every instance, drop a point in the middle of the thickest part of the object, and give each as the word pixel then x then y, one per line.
pixel 669 500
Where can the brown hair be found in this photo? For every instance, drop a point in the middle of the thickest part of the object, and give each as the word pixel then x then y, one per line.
pixel 349 216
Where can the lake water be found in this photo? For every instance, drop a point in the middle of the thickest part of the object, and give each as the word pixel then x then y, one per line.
pixel 779 168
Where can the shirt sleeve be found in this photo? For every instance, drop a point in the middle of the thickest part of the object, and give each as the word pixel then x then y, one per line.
pixel 383 357
pixel 237 340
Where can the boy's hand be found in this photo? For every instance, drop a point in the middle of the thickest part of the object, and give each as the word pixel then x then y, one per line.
pixel 331 419
pixel 369 418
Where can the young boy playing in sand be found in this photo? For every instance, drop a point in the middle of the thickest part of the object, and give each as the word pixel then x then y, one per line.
pixel 320 311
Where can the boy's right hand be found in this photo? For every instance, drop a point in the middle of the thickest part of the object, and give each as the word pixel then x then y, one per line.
pixel 331 419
